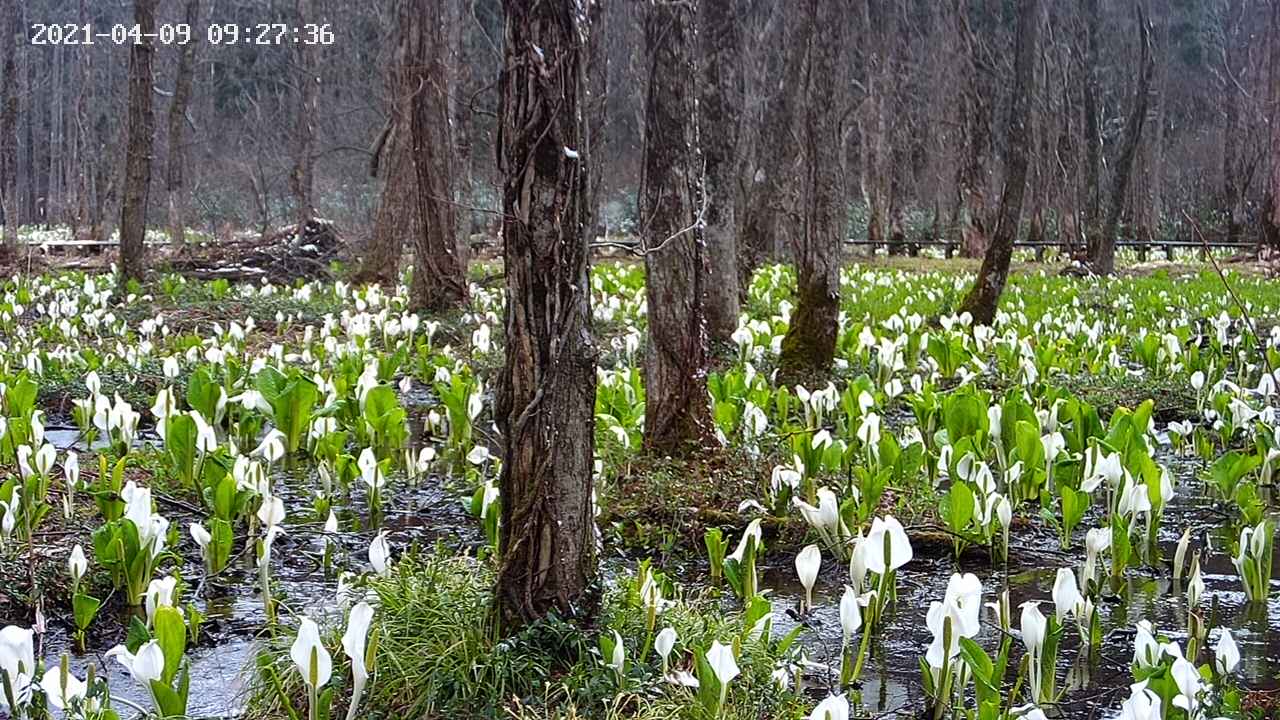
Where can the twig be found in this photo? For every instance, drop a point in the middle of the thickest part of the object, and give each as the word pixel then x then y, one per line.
pixel 1244 313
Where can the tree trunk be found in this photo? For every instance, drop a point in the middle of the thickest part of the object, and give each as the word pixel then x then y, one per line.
pixel 301 181
pixel 677 412
pixel 1271 214
pixel 9 121
pixel 1103 255
pixel 177 127
pixel 138 148
pixel 596 110
pixel 720 110
pixel 775 157
pixel 975 106
pixel 396 219
pixel 809 345
pixel 546 402
pixel 439 277
pixel 982 300
pixel 1092 129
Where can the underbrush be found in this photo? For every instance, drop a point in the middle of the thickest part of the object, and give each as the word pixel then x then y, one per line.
pixel 438 655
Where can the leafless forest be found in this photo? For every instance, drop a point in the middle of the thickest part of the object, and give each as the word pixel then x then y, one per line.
pixel 1138 113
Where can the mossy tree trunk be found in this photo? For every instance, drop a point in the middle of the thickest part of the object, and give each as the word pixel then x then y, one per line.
pixel 982 300
pixel 810 342
pixel 546 401
pixel 677 411
pixel 138 147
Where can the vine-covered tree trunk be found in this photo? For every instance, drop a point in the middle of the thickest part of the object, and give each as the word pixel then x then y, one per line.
pixel 177 127
pixel 439 276
pixel 546 401
pixel 1102 256
pixel 982 300
pixel 677 413
pixel 776 150
pixel 301 177
pixel 810 341
pixel 720 108
pixel 137 168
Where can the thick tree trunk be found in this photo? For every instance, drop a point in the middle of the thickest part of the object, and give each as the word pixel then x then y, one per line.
pixel 439 277
pixel 546 402
pixel 720 108
pixel 1102 257
pixel 1271 214
pixel 137 172
pixel 301 177
pixel 770 198
pixel 809 345
pixel 982 300
pixel 177 127
pixel 9 121
pixel 677 412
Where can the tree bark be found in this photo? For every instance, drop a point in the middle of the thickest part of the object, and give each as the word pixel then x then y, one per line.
pixel 720 108
pixel 301 178
pixel 9 120
pixel 439 277
pixel 677 412
pixel 138 149
pixel 972 180
pixel 396 219
pixel 177 127
pixel 546 402
pixel 809 345
pixel 1102 257
pixel 1271 214
pixel 1092 128
pixel 982 300
pixel 775 157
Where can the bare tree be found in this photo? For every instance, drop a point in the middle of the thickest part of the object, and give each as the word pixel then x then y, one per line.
pixel 775 167
pixel 9 120
pixel 677 412
pixel 1102 250
pixel 137 173
pixel 1271 219
pixel 546 402
pixel 397 218
pixel 301 178
pixel 811 337
pixel 719 108
pixel 177 126
pixel 982 300
pixel 439 277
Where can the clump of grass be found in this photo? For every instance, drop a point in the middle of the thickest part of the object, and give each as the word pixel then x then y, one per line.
pixel 439 655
